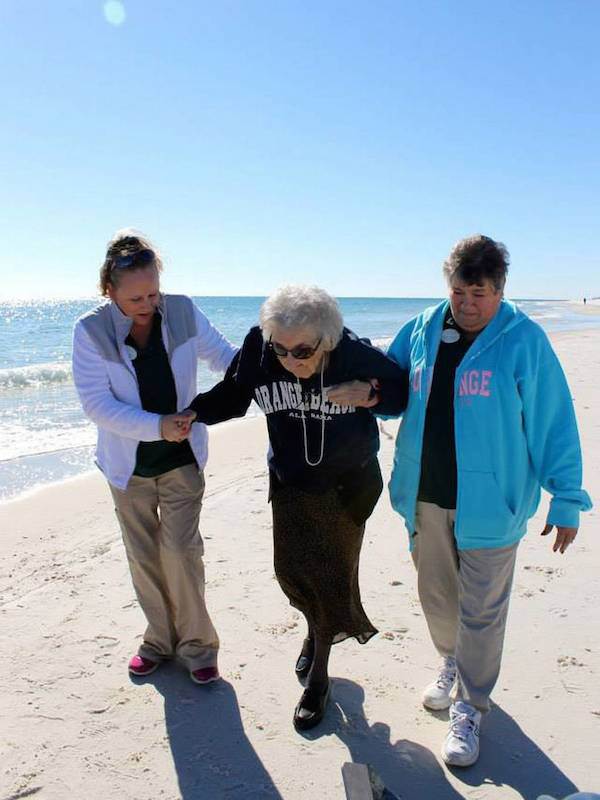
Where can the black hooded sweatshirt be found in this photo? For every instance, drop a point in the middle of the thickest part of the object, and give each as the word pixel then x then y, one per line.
pixel 302 422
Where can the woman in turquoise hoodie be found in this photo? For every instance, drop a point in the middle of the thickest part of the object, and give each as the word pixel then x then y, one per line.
pixel 489 422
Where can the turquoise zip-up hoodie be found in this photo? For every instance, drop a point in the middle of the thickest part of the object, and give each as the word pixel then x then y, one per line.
pixel 515 428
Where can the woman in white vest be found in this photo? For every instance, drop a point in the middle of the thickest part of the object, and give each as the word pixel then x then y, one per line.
pixel 134 364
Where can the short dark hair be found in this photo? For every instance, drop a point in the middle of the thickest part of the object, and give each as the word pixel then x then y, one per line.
pixel 476 259
pixel 125 242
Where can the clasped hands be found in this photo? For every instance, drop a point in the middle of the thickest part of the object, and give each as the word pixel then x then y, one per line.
pixel 177 427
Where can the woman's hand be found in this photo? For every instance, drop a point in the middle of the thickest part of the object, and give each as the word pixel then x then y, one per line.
pixel 362 394
pixel 176 427
pixel 564 536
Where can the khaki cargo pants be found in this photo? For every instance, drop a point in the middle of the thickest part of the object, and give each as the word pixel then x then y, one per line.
pixel 159 522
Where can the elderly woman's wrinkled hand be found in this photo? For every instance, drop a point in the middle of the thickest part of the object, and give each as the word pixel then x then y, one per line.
pixel 176 427
pixel 361 394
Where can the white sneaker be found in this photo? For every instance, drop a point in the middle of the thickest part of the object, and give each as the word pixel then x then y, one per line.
pixel 461 747
pixel 437 695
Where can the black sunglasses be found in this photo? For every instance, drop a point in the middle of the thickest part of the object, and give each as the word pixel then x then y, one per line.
pixel 140 259
pixel 301 352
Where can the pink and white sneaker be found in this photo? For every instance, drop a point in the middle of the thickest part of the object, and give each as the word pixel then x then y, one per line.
pixel 205 675
pixel 140 666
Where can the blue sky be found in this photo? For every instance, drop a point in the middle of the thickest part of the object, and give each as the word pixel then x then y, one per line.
pixel 347 144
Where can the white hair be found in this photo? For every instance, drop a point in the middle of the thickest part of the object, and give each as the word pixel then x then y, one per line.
pixel 291 307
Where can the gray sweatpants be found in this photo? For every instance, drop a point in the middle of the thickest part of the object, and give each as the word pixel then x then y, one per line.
pixel 465 596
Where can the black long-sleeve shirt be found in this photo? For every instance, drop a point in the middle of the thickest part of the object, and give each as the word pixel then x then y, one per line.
pixel 438 479
pixel 349 435
pixel 159 395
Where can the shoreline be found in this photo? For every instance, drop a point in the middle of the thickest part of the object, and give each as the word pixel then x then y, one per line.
pixel 91 469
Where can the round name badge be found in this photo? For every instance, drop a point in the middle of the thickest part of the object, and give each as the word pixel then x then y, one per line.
pixel 450 335
pixel 131 351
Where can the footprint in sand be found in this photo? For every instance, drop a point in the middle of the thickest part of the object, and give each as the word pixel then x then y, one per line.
pixel 547 572
pixel 566 676
pixel 279 630
pixel 569 661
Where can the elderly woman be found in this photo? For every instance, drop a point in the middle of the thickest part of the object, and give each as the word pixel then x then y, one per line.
pixel 134 364
pixel 324 473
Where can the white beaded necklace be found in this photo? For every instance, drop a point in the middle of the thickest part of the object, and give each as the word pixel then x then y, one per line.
pixel 307 459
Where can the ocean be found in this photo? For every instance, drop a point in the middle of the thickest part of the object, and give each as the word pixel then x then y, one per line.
pixel 44 436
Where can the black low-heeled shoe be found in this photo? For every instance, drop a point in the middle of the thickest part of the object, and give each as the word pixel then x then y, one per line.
pixel 304 663
pixel 311 708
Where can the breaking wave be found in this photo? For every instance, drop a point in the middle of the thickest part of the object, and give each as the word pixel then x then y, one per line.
pixel 35 375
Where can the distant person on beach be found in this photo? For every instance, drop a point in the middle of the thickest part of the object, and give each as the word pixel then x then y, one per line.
pixel 324 473
pixel 134 363
pixel 489 421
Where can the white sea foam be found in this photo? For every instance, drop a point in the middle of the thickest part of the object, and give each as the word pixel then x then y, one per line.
pixel 35 375
pixel 18 441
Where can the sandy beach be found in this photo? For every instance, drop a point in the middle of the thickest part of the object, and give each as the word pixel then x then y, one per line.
pixel 74 723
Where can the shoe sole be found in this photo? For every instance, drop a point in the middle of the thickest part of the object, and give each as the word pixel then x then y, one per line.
pixel 451 763
pixel 305 724
pixel 144 673
pixel 205 683
pixel 432 706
